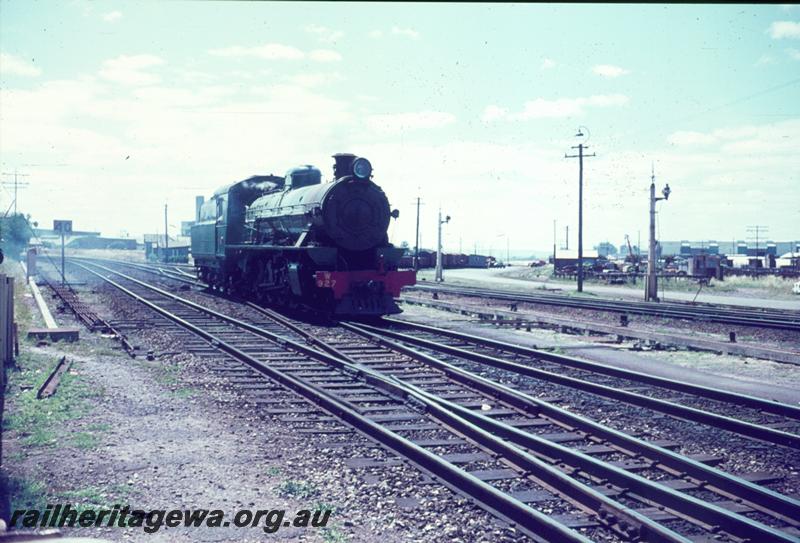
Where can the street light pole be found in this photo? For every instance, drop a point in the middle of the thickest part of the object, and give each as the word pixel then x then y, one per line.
pixel 580 147
pixel 651 285
pixel 440 222
pixel 416 244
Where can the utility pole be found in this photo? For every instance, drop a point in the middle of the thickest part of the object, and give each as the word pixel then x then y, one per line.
pixel 166 231
pixel 416 243
pixel 554 245
pixel 566 238
pixel 580 147
pixel 639 244
pixel 440 222
pixel 63 281
pixel 651 285
pixel 16 184
pixel 757 229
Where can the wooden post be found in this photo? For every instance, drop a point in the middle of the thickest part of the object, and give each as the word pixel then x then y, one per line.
pixel 3 321
pixel 10 319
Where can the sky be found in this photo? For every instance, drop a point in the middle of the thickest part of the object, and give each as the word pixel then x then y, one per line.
pixel 112 109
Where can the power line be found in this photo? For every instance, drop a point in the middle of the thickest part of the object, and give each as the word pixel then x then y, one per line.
pixel 757 230
pixel 16 184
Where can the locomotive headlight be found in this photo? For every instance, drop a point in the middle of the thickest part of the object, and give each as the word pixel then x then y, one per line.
pixel 362 168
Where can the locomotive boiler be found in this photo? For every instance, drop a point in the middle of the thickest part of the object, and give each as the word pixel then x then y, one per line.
pixel 296 241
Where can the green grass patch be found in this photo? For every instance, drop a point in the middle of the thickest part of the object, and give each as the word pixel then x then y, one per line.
pixel 38 422
pixel 93 497
pixel 297 489
pixel 324 506
pixel 169 373
pixel 84 440
pixel 184 392
pixel 273 471
pixel 333 534
pixel 26 493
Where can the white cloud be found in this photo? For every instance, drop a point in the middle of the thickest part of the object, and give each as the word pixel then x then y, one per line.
pixel 375 34
pixel 561 107
pixel 793 53
pixel 765 59
pixel 548 63
pixel 14 65
pixel 306 79
pixel 324 34
pixel 406 32
pixel 784 29
pixel 494 113
pixel 324 55
pixel 400 122
pixel 131 69
pixel 691 138
pixel 112 16
pixel 268 51
pixel 608 70
pixel 276 51
pixel 179 139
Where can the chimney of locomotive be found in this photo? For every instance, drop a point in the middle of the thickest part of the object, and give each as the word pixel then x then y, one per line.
pixel 198 203
pixel 343 165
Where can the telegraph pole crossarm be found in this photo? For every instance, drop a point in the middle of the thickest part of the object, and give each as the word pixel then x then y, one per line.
pixel 16 184
pixel 580 156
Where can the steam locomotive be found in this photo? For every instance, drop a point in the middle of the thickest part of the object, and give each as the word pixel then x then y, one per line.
pixel 298 242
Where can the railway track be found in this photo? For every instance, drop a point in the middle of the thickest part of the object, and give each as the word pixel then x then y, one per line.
pixel 509 451
pixel 774 319
pixel 749 416
pixel 85 314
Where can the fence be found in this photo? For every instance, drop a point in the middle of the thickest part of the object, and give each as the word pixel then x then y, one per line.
pixel 8 337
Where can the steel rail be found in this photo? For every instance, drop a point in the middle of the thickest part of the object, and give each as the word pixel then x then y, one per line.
pixel 770 406
pixel 533 522
pixel 690 506
pixel 182 277
pixel 757 496
pixel 622 516
pixel 372 376
pixel 609 511
pixel 94 323
pixel 701 308
pixel 676 501
pixel 692 414
pixel 689 312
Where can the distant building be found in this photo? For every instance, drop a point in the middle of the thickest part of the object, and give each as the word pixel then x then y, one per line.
pixel 565 258
pixel 606 249
pixel 79 239
pixel 736 247
pixel 97 242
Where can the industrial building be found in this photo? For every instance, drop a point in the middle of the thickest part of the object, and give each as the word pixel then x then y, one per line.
pixel 735 247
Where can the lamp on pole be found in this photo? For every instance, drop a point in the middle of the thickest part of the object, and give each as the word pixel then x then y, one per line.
pixel 651 285
pixel 580 156
pixel 440 222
